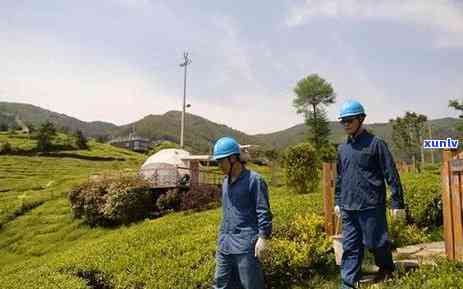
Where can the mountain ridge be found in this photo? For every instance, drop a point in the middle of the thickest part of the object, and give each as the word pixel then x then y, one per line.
pixel 199 131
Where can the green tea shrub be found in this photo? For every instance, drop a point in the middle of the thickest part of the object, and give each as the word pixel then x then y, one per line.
pixel 115 201
pixel 129 199
pixel 301 166
pixel 169 200
pixel 201 197
pixel 112 201
pixel 432 168
pixel 444 275
pixel 403 234
pixel 297 251
pixel 423 198
pixel 87 201
pixel 327 153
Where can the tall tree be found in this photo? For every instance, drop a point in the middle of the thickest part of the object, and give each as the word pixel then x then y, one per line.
pixel 313 93
pixel 408 133
pixel 458 106
pixel 81 140
pixel 45 136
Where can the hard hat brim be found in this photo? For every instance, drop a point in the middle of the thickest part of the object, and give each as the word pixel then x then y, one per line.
pixel 352 114
pixel 222 156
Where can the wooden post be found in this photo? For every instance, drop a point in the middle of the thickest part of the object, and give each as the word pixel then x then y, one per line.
pixel 328 196
pixel 194 167
pixel 457 213
pixel 447 189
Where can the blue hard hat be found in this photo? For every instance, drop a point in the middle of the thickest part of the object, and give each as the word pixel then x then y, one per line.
pixel 225 147
pixel 351 108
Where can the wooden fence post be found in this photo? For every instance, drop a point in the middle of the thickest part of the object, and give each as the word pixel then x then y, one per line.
pixel 450 183
pixel 328 196
pixel 457 208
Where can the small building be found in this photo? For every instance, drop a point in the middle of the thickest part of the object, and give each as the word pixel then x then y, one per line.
pixel 134 143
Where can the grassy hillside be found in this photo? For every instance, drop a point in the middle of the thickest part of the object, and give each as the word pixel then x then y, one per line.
pixel 200 131
pixel 445 127
pixel 27 181
pixel 31 114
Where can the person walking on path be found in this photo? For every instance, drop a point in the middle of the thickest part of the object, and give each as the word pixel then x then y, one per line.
pixel 246 224
pixel 364 165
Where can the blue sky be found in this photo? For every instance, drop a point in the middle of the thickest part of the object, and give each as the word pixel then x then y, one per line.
pixel 118 60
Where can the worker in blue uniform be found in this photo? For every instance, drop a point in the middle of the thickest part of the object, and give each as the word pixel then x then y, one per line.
pixel 246 224
pixel 364 165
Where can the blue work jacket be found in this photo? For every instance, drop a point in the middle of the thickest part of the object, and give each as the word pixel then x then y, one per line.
pixel 363 165
pixel 246 213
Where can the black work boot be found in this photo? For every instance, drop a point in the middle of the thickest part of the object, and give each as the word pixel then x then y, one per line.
pixel 383 274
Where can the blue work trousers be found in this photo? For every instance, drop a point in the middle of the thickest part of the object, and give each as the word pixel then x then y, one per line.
pixel 233 271
pixel 364 229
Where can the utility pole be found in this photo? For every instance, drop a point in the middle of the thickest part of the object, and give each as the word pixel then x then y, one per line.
pixel 182 128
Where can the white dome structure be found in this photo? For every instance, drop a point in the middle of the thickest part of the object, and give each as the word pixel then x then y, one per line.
pixel 168 156
pixel 164 168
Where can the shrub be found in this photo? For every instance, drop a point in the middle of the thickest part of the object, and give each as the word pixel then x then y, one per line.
pixel 112 201
pixel 327 153
pixel 297 251
pixel 444 275
pixel 201 197
pixel 432 168
pixel 81 140
pixel 402 234
pixel 45 136
pixel 5 148
pixel 129 199
pixel 423 198
pixel 87 202
pixel 170 200
pixel 301 168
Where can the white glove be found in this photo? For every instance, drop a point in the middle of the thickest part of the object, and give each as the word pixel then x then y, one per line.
pixel 337 211
pixel 398 214
pixel 261 244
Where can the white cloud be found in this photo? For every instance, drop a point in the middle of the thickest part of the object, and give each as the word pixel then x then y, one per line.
pixel 136 4
pixel 235 55
pixel 252 116
pixel 444 18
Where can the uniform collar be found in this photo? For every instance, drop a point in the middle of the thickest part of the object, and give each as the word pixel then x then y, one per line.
pixel 352 139
pixel 241 176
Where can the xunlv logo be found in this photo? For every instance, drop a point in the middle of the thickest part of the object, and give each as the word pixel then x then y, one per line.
pixel 449 143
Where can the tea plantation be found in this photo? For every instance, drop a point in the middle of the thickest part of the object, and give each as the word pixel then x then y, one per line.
pixel 41 246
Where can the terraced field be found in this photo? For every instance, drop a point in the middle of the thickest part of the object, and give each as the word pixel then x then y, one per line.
pixel 41 246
